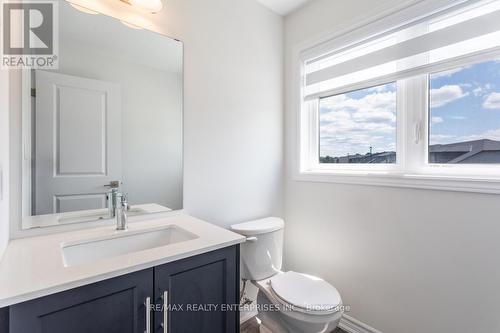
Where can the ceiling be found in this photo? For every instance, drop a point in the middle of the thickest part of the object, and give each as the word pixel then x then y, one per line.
pixel 283 7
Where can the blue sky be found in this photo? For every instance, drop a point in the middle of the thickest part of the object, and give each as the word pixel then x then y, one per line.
pixel 465 105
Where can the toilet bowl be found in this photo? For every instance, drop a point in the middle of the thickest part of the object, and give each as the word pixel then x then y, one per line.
pixel 287 302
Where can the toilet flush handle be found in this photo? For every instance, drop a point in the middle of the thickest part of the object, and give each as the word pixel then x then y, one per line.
pixel 252 239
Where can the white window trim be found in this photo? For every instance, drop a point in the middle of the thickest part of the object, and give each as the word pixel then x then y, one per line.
pixel 407 172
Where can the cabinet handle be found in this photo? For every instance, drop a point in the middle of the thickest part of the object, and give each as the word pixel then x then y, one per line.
pixel 148 315
pixel 165 311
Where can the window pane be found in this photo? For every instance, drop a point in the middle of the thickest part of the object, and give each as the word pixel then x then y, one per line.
pixel 464 126
pixel 359 126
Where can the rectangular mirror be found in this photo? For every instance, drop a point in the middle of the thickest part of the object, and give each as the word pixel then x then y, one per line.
pixel 108 119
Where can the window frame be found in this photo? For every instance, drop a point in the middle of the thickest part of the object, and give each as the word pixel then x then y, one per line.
pixel 412 169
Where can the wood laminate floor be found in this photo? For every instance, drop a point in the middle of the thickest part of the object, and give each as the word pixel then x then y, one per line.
pixel 251 326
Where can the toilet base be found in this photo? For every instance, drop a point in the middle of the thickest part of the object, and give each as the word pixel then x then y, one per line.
pixel 277 322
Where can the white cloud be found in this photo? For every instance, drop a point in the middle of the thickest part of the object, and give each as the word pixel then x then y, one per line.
pixel 437 120
pixel 492 134
pixel 350 125
pixel 442 139
pixel 482 90
pixel 446 94
pixel 478 91
pixel 375 107
pixel 492 101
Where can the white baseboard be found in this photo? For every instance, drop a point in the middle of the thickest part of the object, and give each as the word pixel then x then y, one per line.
pixel 347 323
pixel 352 325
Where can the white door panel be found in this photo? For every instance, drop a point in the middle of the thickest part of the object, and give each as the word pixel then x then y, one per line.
pixel 78 142
pixel 81 122
pixel 71 203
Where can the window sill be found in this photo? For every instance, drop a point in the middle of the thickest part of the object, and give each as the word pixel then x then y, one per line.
pixel 418 181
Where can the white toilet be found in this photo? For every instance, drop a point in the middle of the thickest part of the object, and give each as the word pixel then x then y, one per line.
pixel 288 302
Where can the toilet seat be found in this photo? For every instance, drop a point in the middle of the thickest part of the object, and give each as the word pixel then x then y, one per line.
pixel 292 312
pixel 305 293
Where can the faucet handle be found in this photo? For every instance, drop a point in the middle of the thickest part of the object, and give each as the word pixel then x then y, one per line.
pixel 113 184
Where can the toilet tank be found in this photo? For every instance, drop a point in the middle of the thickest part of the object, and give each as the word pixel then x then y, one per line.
pixel 262 253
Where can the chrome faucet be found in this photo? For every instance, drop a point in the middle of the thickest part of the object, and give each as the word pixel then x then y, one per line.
pixel 117 205
pixel 121 211
pixel 111 196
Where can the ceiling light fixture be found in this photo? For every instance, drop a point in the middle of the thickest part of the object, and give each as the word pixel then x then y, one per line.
pixel 150 6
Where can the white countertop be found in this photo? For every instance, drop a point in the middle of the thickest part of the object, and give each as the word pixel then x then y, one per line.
pixel 33 267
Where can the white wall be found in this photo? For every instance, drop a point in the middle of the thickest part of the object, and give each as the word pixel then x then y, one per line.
pixel 233 108
pixel 407 261
pixel 4 160
pixel 233 96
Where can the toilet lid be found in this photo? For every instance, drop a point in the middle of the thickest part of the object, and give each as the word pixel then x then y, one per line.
pixel 305 291
pixel 257 227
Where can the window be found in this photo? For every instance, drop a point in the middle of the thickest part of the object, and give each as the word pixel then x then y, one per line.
pixel 464 109
pixel 417 104
pixel 359 126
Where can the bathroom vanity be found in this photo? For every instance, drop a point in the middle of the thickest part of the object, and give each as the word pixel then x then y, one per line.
pixel 182 275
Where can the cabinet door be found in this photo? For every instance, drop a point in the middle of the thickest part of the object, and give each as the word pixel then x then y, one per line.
pixel 202 293
pixel 112 306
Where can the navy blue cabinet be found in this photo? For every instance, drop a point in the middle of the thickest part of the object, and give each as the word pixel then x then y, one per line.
pixel 197 294
pixel 111 306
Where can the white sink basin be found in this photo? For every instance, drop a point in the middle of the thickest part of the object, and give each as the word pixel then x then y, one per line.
pixel 122 242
